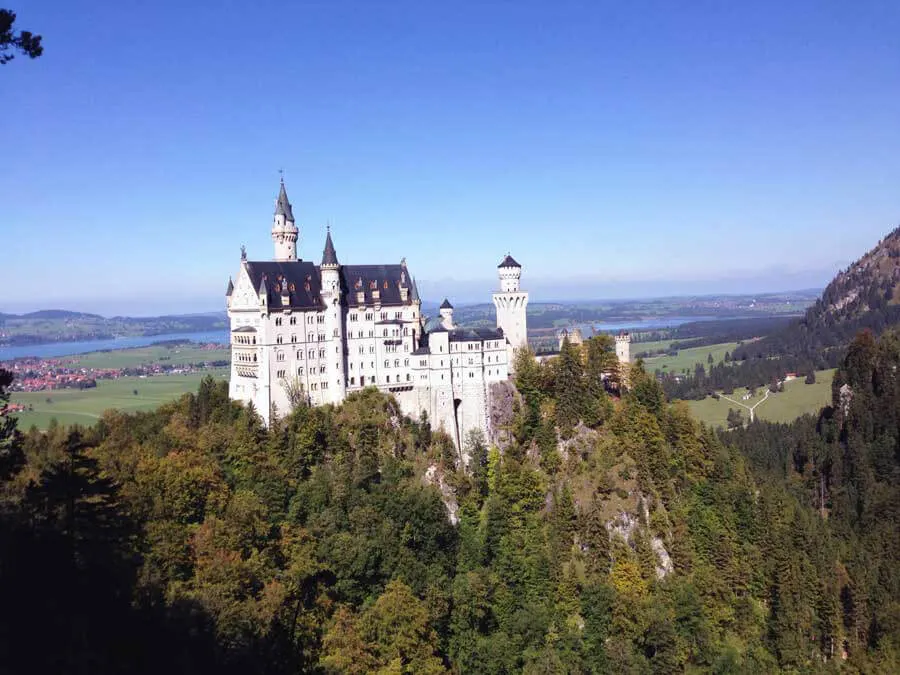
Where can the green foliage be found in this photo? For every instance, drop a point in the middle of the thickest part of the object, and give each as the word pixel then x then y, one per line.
pixel 317 545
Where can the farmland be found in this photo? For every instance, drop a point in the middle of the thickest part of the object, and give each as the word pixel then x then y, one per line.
pixel 85 406
pixel 686 359
pixel 798 398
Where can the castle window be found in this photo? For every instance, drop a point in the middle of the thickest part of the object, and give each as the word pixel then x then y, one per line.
pixel 335 332
pixel 384 333
pixel 280 374
pixel 369 316
pixel 388 379
pixel 371 349
pixel 398 315
pixel 322 353
pixel 405 362
pixel 320 319
pixel 309 337
pixel 353 316
pixel 299 371
pixel 321 369
pixel 299 354
pixel 396 363
pixel 278 321
pixel 362 350
pixel 312 354
pixel 405 331
pixel 384 316
pixel 387 364
pixel 325 385
pixel 293 338
pixel 279 356
pixel 278 339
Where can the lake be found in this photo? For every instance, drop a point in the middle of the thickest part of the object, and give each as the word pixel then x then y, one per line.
pixel 653 323
pixel 54 349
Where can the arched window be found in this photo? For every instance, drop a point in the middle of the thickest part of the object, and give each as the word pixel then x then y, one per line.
pixel 387 364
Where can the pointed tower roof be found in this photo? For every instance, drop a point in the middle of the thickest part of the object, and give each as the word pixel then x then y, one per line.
pixel 263 289
pixel 446 304
pixel 282 205
pixel 230 288
pixel 509 261
pixel 329 255
pixel 414 293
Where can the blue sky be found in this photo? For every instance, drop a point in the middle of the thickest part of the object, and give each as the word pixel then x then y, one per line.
pixel 615 148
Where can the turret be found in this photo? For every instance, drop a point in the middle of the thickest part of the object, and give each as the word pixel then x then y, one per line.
pixel 446 311
pixel 330 271
pixel 509 271
pixel 511 303
pixel 623 348
pixel 284 232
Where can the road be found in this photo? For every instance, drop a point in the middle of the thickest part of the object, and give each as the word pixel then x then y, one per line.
pixel 744 405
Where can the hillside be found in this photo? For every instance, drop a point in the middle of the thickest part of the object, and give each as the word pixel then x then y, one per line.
pixel 606 535
pixel 865 295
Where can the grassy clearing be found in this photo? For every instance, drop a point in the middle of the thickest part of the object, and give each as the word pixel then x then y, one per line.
pixel 797 399
pixel 129 358
pixel 686 358
pixel 84 406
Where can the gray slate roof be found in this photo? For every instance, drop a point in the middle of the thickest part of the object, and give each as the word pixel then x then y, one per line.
pixel 302 279
pixel 387 279
pixel 283 206
pixel 472 334
pixel 509 261
pixel 446 304
pixel 329 255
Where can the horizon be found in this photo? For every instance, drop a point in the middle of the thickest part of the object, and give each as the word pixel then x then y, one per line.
pixel 608 149
pixel 436 302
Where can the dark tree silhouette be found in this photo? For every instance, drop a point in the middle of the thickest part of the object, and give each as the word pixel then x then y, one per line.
pixel 11 42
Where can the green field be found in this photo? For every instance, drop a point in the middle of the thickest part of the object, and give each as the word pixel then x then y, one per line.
pixel 796 399
pixel 686 359
pixel 129 358
pixel 84 406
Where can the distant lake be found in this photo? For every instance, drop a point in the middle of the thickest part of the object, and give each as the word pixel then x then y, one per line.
pixel 54 349
pixel 652 323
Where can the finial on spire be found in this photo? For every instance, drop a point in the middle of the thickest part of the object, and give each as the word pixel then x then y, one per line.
pixel 281 174
pixel 243 252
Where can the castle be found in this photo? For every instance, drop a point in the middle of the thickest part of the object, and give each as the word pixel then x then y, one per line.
pixel 302 332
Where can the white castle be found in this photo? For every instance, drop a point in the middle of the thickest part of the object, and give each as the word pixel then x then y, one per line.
pixel 320 332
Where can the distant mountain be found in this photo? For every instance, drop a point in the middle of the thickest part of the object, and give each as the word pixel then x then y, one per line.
pixel 866 295
pixel 54 314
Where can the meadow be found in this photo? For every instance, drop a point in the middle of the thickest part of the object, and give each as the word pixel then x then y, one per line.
pixel 167 354
pixel 85 406
pixel 798 398
pixel 685 360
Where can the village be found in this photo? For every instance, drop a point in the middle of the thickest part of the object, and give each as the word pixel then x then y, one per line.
pixel 34 374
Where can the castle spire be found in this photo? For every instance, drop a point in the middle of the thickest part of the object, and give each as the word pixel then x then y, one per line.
pixel 284 232
pixel 329 255
pixel 282 205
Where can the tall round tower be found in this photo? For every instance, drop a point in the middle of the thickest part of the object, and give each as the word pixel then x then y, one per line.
pixel 330 271
pixel 511 303
pixel 284 232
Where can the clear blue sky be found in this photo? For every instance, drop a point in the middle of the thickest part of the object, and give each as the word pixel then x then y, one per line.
pixel 614 148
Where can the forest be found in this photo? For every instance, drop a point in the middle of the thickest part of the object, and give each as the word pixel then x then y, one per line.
pixel 605 531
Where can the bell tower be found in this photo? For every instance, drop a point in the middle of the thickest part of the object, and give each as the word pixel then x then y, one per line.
pixel 510 303
pixel 284 232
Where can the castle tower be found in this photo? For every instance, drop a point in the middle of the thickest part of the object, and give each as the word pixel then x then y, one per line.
pixel 446 310
pixel 623 348
pixel 334 321
pixel 510 303
pixel 284 232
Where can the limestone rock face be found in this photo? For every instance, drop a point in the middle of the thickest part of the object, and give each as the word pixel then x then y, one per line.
pixel 501 397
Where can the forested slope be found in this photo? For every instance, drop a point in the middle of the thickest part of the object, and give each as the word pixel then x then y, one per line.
pixel 865 296
pixel 608 535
